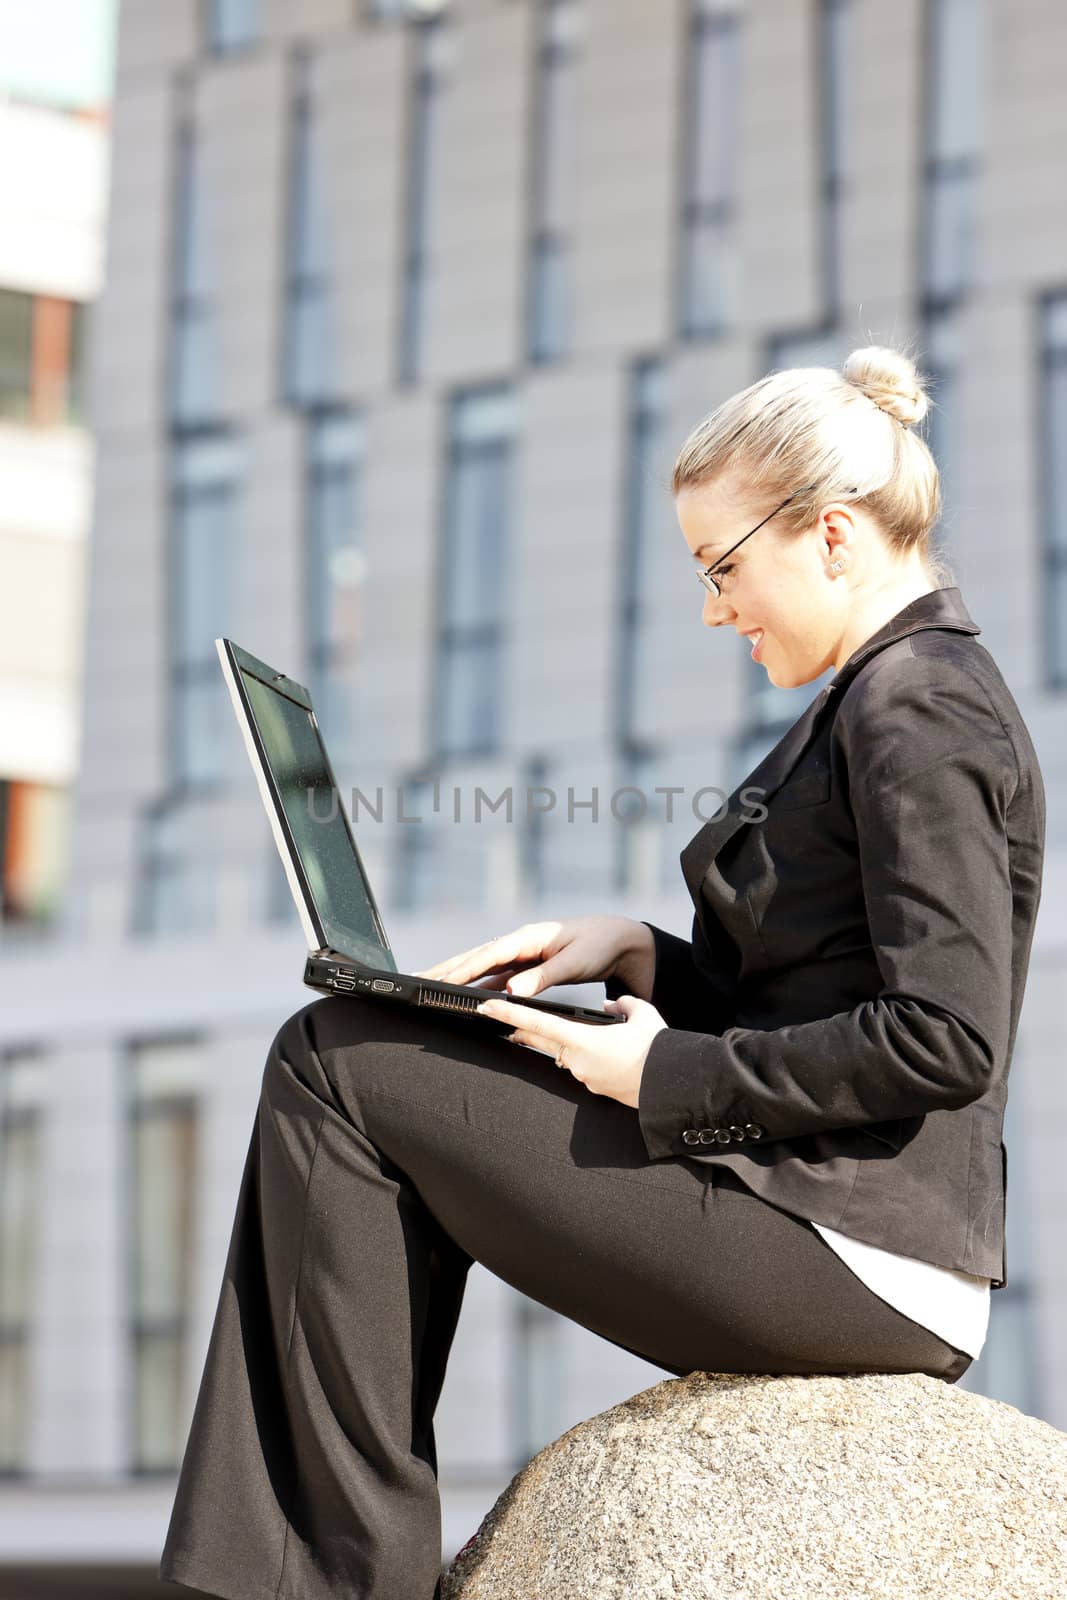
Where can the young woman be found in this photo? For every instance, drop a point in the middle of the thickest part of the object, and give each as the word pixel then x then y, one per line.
pixel 788 1159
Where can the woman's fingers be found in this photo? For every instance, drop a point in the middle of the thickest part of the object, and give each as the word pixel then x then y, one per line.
pixel 495 955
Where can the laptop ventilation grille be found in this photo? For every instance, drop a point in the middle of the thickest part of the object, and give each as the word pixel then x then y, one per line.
pixel 448 1002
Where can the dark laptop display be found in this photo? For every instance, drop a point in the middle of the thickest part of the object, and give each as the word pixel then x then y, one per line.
pixel 317 823
pixel 348 947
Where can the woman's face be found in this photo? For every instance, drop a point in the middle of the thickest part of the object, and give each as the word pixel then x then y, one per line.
pixel 783 586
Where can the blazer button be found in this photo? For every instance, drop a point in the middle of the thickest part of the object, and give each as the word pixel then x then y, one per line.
pixel 691 1136
pixel 707 1135
pixel 754 1130
pixel 736 1132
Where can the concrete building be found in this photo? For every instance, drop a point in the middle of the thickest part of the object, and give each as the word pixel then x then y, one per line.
pixel 407 309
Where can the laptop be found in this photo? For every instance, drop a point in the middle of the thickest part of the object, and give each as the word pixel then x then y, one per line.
pixel 348 948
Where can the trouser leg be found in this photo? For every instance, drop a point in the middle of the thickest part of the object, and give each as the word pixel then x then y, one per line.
pixel 391 1149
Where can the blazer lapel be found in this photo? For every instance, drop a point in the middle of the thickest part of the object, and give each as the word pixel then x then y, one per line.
pixel 940 608
pixel 761 783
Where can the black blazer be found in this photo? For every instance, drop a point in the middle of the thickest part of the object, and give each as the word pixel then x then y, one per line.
pixel 841 1025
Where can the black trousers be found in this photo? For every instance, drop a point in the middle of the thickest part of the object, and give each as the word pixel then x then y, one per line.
pixel 391 1149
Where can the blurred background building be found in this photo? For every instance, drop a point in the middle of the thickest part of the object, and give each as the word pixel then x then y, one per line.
pixel 407 308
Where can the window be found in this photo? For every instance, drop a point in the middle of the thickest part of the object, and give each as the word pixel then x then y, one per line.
pixel 164 1077
pixel 709 248
pixel 537 1354
pixel 838 63
pixel 309 333
pixel 177 872
pixel 943 354
pixel 41 358
pixel 646 854
pixel 16 353
pixel 335 572
pixel 193 377
pixel 206 471
pixel 554 198
pixel 955 91
pixel 474 573
pixel 417 844
pixel 430 45
pixel 21 1097
pixel 404 10
pixel 647 505
pixel 233 24
pixel 34 818
pixel 1054 476
pixel 1006 1369
pixel 76 394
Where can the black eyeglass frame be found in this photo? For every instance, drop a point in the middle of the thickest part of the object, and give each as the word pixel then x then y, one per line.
pixel 705 574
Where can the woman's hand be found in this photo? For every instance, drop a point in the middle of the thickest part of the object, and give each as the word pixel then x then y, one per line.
pixel 539 954
pixel 608 1060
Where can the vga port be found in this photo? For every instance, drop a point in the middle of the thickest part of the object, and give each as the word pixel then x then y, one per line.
pixel 382 985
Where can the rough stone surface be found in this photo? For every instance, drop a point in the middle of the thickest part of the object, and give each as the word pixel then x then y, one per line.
pixel 770 1488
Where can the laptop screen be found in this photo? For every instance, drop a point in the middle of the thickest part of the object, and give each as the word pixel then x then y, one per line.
pixel 317 825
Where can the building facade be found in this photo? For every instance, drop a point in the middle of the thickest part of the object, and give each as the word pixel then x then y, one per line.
pixel 407 309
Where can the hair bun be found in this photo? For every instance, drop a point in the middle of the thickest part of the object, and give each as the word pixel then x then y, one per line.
pixel 891 380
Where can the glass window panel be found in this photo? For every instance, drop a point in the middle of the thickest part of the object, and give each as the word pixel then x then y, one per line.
pixel 204 558
pixel 405 10
pixel 234 24
pixel 549 299
pixel 942 369
pixel 14 1374
pixel 711 276
pixel 191 267
pixel 476 547
pixel 308 245
pixel 1056 451
pixel 1055 324
pixel 165 1068
pixel 646 504
pixel 426 143
pixel 715 90
pixel 805 350
pixel 163 1177
pixel 195 371
pixel 423 192
pixel 1056 590
pixel 950 232
pixel 77 356
pixel 470 672
pixel 487 415
pixel 838 67
pixel 539 1377
pixel 311 344
pixel 203 730
pixel 559 122
pixel 19 1200
pixel 208 461
pixel 337 439
pixel 16 353
pixel 957 41
pixel 157 1400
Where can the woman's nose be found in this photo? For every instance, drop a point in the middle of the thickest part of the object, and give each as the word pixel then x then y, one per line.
pixel 716 610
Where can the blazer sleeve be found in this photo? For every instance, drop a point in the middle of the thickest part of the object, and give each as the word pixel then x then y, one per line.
pixel 682 994
pixel 931 772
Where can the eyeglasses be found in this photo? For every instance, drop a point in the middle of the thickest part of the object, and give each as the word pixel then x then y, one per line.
pixel 705 575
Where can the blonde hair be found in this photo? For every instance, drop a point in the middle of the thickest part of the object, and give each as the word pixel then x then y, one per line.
pixel 849 434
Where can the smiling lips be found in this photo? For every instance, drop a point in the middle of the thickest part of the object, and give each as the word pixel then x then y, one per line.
pixel 755 638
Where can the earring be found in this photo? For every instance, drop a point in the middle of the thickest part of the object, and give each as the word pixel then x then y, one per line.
pixel 835 566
